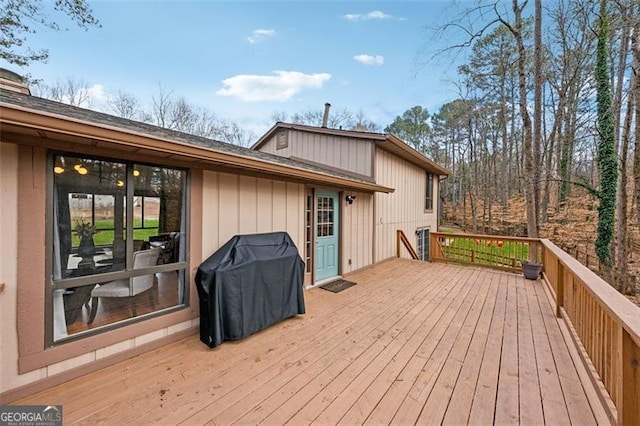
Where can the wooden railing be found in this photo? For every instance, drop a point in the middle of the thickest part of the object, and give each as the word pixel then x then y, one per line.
pixel 505 253
pixel 591 261
pixel 401 239
pixel 604 324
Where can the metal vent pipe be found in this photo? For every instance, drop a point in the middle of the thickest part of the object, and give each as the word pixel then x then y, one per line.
pixel 325 116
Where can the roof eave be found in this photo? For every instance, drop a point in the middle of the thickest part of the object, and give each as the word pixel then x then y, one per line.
pixel 45 121
pixel 427 163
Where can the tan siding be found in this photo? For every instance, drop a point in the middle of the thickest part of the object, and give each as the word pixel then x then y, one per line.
pixel 270 147
pixel 211 217
pixel 246 205
pixel 279 221
pixel 344 153
pixel 403 209
pixel 227 206
pixel 294 215
pixel 9 377
pixel 265 203
pixel 357 232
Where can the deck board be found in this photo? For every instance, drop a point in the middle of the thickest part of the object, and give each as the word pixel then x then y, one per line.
pixel 413 342
pixel 463 392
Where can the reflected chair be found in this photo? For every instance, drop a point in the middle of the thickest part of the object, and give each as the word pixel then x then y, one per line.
pixel 128 287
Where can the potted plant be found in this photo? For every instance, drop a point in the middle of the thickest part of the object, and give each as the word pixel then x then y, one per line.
pixel 531 270
pixel 85 231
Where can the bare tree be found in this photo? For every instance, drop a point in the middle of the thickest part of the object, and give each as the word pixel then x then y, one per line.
pixel 636 95
pixel 125 105
pixel 527 142
pixel 69 91
pixel 537 105
pixel 161 108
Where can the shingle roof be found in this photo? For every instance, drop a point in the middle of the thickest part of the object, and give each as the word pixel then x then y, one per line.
pixel 64 111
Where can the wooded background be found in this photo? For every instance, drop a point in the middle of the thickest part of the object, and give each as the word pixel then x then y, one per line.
pixel 494 149
pixel 543 139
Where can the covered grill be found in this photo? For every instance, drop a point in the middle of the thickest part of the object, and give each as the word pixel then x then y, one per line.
pixel 250 283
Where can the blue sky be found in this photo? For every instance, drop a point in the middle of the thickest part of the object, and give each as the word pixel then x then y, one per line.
pixel 246 60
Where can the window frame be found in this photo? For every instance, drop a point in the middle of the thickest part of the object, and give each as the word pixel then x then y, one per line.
pixel 309 230
pixel 181 267
pixel 423 236
pixel 428 197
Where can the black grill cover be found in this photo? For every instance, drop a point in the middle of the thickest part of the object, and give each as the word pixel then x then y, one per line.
pixel 250 283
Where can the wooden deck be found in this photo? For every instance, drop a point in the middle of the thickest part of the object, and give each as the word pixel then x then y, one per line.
pixel 413 342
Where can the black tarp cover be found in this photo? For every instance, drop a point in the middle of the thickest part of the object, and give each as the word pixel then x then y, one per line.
pixel 250 283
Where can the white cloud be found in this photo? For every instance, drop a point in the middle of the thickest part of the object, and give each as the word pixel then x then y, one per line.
pixel 96 92
pixel 376 14
pixel 260 34
pixel 370 59
pixel 279 87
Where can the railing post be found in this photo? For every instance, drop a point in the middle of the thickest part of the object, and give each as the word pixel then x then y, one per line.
pixel 559 288
pixel 629 408
pixel 432 246
pixel 398 243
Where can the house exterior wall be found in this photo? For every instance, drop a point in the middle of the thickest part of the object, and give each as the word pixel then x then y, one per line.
pixel 222 205
pixel 22 355
pixel 403 209
pixel 345 153
pixel 235 204
pixel 270 145
pixel 357 232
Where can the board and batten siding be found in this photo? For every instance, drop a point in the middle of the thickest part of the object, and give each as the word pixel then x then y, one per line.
pixel 234 204
pixel 404 208
pixel 357 232
pixel 9 377
pixel 345 153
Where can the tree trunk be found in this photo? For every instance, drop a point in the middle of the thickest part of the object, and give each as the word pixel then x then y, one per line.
pixel 621 211
pixel 621 207
pixel 607 162
pixel 636 95
pixel 537 110
pixel 530 197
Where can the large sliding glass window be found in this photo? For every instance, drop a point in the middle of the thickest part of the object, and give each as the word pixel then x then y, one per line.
pixel 118 243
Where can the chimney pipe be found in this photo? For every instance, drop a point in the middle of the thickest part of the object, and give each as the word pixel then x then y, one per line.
pixel 325 117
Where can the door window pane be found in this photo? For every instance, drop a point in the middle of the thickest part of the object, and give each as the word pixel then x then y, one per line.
pixel 325 217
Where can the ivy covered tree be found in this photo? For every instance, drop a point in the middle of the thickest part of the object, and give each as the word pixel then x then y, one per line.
pixel 606 159
pixel 18 18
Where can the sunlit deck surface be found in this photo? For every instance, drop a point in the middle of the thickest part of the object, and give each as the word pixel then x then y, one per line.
pixel 412 342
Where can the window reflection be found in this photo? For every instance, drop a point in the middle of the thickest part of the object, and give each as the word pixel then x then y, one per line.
pixel 97 206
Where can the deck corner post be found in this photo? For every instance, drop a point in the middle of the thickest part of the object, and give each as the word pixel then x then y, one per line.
pixel 559 288
pixel 629 409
